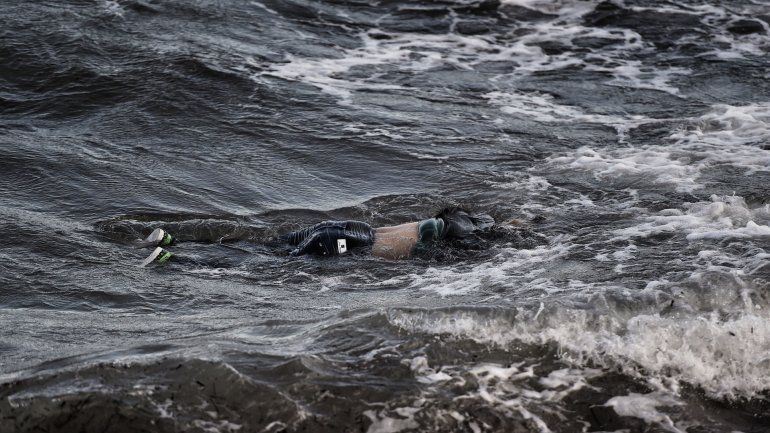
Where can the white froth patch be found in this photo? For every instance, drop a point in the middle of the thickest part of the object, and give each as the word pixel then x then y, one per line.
pixel 219 272
pixel 164 409
pixel 507 268
pixel 412 52
pixel 265 8
pixel 418 53
pixel 508 389
pixel 425 374
pixel 382 423
pixel 322 72
pixel 112 7
pixel 725 358
pixel 738 46
pixel 479 328
pixel 730 46
pixel 530 184
pixel 723 217
pixel 645 406
pixel 635 74
pixel 626 253
pixel 217 426
pixel 752 230
pixel 565 9
pixel 612 59
pixel 361 129
pixel 727 135
pixel 655 161
pixel 543 108
pixel 497 387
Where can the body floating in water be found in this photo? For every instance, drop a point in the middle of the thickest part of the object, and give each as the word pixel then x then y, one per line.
pixel 332 238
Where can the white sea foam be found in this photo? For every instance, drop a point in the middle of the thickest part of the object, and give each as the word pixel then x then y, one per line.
pixel 418 53
pixel 265 8
pixel 529 183
pixel 510 266
pixel 723 217
pixel 655 162
pixel 509 389
pixel 425 373
pixel 724 357
pixel 381 423
pixel 726 135
pixel 727 45
pixel 611 59
pixel 112 7
pixel 543 108
pixel 217 426
pixel 164 409
pixel 563 8
pixel 635 74
pixel 219 272
pixel 645 406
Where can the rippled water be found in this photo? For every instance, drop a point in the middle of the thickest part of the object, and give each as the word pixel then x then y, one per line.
pixel 633 137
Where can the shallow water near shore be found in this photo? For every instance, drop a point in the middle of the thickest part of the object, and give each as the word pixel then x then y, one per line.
pixel 632 139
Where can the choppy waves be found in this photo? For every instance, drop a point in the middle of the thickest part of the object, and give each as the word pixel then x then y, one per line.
pixel 628 141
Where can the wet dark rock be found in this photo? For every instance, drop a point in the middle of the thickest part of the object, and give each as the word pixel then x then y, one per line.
pixel 608 14
pixel 604 14
pixel 746 27
pixel 594 43
pixel 472 27
pixel 553 48
pixel 380 36
pixel 431 22
pixel 484 7
pixel 661 29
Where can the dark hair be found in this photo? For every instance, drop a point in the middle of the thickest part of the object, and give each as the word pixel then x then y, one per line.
pixel 460 223
pixel 472 236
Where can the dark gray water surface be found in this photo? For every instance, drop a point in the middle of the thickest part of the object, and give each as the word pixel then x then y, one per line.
pixel 634 135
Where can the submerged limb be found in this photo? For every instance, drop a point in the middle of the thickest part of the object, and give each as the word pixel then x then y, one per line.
pixel 204 256
pixel 204 231
pixel 397 242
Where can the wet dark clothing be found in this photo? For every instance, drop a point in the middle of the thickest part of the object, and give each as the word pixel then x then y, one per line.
pixel 330 238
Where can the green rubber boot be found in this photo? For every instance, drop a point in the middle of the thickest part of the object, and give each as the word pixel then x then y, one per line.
pixel 158 255
pixel 158 238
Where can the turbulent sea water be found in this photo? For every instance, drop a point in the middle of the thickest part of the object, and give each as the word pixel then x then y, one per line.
pixel 633 137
